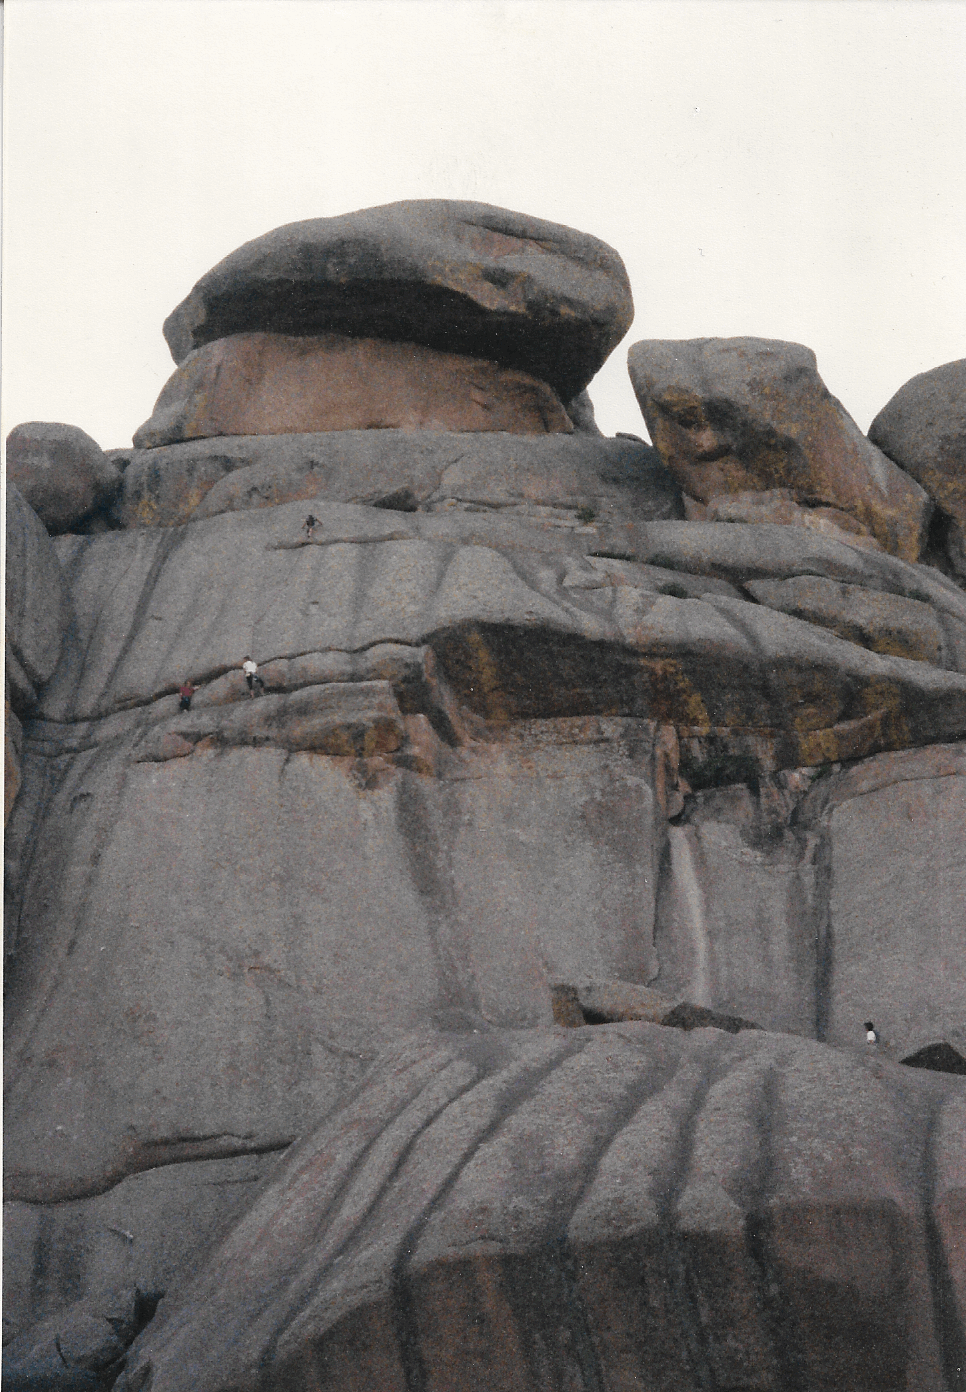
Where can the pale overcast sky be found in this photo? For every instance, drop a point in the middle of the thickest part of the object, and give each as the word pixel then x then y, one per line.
pixel 791 170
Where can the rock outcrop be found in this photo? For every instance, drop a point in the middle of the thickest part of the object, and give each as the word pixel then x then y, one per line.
pixel 274 384
pixel 458 277
pixel 618 1206
pixel 478 999
pixel 732 415
pixel 923 428
pixel 560 480
pixel 61 473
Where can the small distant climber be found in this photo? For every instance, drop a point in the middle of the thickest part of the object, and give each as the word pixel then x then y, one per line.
pixel 871 1034
pixel 250 669
pixel 185 692
pixel 310 525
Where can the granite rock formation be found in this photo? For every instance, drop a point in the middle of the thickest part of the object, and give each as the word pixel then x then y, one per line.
pixel 274 384
pixel 732 415
pixel 478 1000
pixel 62 473
pixel 923 428
pixel 458 277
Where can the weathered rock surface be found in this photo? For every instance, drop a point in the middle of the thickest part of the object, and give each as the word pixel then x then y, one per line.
pixel 321 906
pixel 144 1232
pixel 813 909
pixel 885 623
pixel 620 1206
pixel 893 929
pixel 549 480
pixel 730 415
pixel 519 633
pixel 61 472
pixel 274 384
pixel 923 428
pixel 80 1347
pixel 460 277
pixel 37 606
pixel 777 505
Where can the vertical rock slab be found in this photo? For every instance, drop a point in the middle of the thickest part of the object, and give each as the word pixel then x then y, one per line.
pixel 895 831
pixel 38 608
pixel 730 415
pixel 322 906
pixel 735 928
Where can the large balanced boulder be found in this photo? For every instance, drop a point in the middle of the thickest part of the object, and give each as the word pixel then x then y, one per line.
pixel 733 415
pixel 459 277
pixel 622 1206
pixel 276 384
pixel 62 473
pixel 923 428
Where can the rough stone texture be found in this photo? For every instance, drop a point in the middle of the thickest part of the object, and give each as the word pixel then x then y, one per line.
pixel 61 472
pixel 145 1232
pixel 730 415
pixel 894 935
pixel 12 754
pixel 813 909
pixel 884 623
pixel 923 428
pixel 321 906
pixel 777 505
pixel 80 1347
pixel 274 384
pixel 740 553
pixel 622 1206
pixel 548 480
pixel 37 606
pixel 737 909
pixel 460 277
pixel 518 633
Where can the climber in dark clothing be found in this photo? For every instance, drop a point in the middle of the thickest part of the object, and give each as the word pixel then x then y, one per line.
pixel 310 525
pixel 186 692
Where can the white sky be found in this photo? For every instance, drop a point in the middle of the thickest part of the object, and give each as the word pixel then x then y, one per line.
pixel 791 170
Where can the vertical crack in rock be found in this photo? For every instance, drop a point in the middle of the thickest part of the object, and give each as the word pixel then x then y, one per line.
pixel 681 842
pixel 824 937
pixel 682 1290
pixel 431 870
pixel 759 1224
pixel 404 1312
pixel 950 1334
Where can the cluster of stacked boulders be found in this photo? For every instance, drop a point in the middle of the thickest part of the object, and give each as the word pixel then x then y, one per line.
pixel 595 799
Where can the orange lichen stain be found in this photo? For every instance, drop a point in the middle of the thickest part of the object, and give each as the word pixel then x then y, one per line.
pixel 488 696
pixel 674 699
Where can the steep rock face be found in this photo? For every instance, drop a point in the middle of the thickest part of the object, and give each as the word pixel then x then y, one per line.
pixel 735 414
pixel 812 906
pixel 61 472
pixel 274 384
pixel 548 481
pixel 620 1206
pixel 320 906
pixel 459 277
pixel 519 632
pixel 144 1232
pixel 37 605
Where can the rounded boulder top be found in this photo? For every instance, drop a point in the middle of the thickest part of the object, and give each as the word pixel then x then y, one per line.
pixel 458 276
